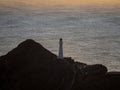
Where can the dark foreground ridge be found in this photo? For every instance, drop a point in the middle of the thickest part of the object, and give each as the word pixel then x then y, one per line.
pixel 32 67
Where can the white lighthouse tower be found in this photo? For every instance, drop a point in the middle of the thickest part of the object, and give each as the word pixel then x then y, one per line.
pixel 60 53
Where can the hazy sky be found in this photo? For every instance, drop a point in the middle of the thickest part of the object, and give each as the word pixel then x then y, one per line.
pixel 77 2
pixel 108 3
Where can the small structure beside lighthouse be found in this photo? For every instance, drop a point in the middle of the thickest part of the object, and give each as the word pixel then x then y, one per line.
pixel 60 53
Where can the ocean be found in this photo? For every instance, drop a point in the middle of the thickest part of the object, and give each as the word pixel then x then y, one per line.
pixel 90 35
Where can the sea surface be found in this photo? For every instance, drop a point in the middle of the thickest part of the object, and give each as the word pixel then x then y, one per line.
pixel 90 35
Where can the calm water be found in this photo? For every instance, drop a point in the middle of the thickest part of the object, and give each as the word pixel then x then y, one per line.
pixel 90 35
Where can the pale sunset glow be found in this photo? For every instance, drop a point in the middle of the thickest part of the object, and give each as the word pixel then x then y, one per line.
pixel 68 2
pixel 74 2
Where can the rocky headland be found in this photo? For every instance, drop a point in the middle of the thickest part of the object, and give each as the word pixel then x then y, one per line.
pixel 32 67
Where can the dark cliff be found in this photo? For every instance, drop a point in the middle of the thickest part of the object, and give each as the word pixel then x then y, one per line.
pixel 32 67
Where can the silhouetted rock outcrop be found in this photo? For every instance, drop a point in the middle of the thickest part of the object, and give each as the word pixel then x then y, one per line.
pixel 32 67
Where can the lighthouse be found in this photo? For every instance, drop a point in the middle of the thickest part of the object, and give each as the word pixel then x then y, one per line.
pixel 60 53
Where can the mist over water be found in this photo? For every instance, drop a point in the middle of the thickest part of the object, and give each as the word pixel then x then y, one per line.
pixel 90 35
